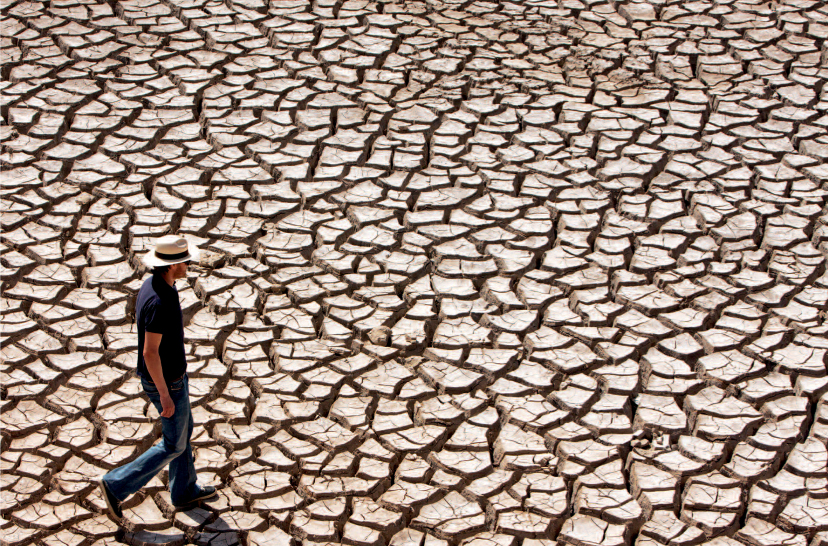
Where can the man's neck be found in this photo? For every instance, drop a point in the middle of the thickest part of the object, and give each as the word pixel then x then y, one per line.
pixel 168 276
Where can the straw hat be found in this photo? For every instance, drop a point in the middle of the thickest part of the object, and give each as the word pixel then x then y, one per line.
pixel 169 250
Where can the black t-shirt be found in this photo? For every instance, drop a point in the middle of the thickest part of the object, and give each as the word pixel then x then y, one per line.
pixel 158 310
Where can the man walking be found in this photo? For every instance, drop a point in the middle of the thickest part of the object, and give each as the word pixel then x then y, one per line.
pixel 162 367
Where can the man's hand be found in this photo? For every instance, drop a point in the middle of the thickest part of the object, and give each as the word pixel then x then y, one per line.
pixel 167 406
pixel 153 362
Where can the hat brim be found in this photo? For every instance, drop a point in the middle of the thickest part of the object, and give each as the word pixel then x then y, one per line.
pixel 151 259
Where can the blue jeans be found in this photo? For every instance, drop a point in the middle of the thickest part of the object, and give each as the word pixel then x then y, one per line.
pixel 173 449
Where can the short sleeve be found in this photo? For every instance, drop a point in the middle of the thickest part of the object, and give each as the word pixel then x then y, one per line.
pixel 155 319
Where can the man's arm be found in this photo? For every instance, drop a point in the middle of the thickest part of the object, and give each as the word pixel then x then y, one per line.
pixel 153 362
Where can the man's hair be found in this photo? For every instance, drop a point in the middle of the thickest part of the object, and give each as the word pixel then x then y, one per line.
pixel 160 269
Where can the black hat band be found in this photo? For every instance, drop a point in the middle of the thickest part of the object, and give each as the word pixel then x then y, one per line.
pixel 172 256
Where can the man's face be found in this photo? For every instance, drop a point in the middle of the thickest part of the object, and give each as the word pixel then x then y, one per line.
pixel 179 271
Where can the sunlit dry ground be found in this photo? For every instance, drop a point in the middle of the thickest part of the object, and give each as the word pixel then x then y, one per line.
pixel 493 274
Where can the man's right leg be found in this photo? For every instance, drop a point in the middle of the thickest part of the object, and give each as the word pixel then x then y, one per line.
pixel 129 478
pixel 182 469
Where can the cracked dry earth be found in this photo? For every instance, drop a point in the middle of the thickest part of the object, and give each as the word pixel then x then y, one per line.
pixel 491 274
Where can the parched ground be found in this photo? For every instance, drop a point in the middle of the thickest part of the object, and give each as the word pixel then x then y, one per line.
pixel 491 274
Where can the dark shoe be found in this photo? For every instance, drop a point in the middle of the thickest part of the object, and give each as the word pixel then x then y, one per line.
pixel 201 493
pixel 111 502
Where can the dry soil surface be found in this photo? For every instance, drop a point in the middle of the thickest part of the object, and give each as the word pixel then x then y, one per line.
pixel 478 273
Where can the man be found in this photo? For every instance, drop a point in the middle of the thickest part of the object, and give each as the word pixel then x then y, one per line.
pixel 162 367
